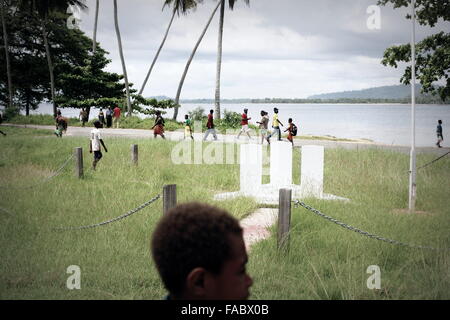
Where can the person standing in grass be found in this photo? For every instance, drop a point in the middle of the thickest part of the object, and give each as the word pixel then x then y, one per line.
pixel 61 124
pixel 210 126
pixel 244 124
pixel 101 117
pixel 158 127
pixel 440 137
pixel 275 125
pixel 187 127
pixel 109 114
pixel 263 125
pixel 83 117
pixel 1 120
pixel 95 143
pixel 116 115
pixel 200 254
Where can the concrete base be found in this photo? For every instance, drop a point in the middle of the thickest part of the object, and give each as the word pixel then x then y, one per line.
pixel 268 194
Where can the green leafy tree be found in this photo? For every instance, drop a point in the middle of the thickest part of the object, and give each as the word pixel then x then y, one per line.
pixel 432 53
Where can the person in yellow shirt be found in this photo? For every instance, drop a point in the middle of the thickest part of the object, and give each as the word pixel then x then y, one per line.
pixel 275 125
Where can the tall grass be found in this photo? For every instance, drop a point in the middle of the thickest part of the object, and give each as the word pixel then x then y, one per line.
pixel 324 260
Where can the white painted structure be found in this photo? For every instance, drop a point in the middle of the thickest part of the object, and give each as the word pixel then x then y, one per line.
pixel 251 168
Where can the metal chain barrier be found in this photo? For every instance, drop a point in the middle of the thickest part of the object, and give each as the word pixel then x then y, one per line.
pixel 57 172
pixel 427 164
pixel 129 213
pixel 431 162
pixel 373 236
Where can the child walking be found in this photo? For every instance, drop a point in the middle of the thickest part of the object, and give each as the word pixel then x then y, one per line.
pixel 244 124
pixel 158 127
pixel 187 127
pixel 263 125
pixel 95 143
pixel 290 130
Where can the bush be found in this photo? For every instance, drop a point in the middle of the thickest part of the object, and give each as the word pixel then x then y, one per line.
pixel 197 114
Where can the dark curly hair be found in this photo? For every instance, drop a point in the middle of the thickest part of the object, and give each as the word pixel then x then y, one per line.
pixel 192 235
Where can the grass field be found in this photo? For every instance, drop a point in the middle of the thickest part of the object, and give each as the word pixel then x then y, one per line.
pixel 325 261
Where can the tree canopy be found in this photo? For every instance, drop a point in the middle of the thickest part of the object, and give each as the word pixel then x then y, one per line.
pixel 432 53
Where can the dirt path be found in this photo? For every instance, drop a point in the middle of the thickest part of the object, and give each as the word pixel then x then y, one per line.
pixel 178 135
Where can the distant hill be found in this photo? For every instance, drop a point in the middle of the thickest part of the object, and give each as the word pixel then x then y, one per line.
pixel 385 92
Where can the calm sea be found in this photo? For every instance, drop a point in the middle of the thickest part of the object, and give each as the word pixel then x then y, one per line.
pixel 381 123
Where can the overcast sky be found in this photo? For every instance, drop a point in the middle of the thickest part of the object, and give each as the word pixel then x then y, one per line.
pixel 283 48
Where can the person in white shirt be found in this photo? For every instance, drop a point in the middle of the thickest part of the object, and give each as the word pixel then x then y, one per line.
pixel 94 143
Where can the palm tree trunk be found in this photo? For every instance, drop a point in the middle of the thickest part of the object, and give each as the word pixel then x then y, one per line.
pixel 219 59
pixel 177 98
pixel 157 54
pixel 116 23
pixel 94 40
pixel 50 65
pixel 8 63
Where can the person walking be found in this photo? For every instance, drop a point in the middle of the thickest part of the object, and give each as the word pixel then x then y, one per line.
pixel 187 127
pixel 244 124
pixel 263 125
pixel 94 144
pixel 109 114
pixel 116 115
pixel 61 125
pixel 1 120
pixel 440 137
pixel 275 125
pixel 292 131
pixel 158 127
pixel 210 126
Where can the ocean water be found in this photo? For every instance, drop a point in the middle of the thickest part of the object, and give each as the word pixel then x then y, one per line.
pixel 381 123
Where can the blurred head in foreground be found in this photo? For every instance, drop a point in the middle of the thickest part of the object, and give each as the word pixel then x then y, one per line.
pixel 200 253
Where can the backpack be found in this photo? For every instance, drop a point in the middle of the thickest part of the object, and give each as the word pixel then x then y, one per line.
pixel 294 130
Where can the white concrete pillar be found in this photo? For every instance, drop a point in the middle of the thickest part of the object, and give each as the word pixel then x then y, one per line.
pixel 250 168
pixel 311 181
pixel 280 163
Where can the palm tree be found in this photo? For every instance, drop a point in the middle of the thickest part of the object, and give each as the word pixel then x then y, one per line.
pixel 94 38
pixel 219 52
pixel 44 8
pixel 8 63
pixel 180 85
pixel 125 76
pixel 178 6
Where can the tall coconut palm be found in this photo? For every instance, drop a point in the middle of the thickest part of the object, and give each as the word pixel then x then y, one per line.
pixel 186 68
pixel 6 45
pixel 125 76
pixel 219 52
pixel 94 37
pixel 178 6
pixel 44 8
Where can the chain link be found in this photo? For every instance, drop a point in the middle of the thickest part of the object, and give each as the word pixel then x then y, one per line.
pixel 431 162
pixel 57 172
pixel 349 227
pixel 129 213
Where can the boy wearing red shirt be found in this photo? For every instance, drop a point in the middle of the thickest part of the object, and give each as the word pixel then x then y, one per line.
pixel 244 124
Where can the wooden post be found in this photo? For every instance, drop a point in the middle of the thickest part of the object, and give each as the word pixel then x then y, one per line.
pixel 134 154
pixel 284 218
pixel 79 162
pixel 169 197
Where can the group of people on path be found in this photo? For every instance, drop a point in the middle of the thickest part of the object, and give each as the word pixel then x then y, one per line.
pixel 109 118
pixel 264 126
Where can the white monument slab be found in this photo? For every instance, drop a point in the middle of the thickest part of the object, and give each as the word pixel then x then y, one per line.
pixel 311 182
pixel 250 168
pixel 280 164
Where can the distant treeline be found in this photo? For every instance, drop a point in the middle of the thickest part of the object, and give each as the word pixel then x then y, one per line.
pixel 420 100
